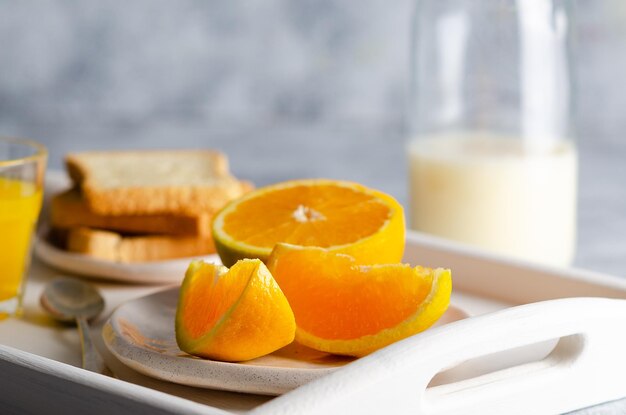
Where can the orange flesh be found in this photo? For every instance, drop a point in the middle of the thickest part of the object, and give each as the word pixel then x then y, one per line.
pixel 378 297
pixel 322 216
pixel 209 296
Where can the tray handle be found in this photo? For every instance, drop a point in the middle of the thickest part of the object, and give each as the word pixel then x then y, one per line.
pixel 588 366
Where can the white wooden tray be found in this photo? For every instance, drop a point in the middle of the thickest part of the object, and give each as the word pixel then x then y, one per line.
pixel 527 349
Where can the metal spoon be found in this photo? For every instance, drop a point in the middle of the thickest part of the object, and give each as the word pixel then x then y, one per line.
pixel 68 300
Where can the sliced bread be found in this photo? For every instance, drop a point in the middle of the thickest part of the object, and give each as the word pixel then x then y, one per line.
pixel 69 210
pixel 113 246
pixel 155 181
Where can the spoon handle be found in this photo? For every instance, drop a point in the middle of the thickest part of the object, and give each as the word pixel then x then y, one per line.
pixel 91 358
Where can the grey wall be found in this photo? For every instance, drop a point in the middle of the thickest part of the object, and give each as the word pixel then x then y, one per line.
pixel 235 61
pixel 253 62
pixel 261 79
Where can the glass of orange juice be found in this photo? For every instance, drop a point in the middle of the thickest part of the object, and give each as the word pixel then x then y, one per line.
pixel 22 168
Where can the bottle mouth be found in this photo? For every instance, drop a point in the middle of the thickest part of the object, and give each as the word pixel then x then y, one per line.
pixel 20 151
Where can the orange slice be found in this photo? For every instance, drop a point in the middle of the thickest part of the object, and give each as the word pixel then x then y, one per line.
pixel 337 215
pixel 232 315
pixel 345 308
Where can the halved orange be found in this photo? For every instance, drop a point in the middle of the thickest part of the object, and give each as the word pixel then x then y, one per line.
pixel 232 315
pixel 338 215
pixel 346 308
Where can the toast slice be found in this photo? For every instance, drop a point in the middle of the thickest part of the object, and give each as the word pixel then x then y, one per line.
pixel 69 210
pixel 112 246
pixel 154 181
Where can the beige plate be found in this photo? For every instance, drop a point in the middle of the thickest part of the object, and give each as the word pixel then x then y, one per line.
pixel 141 334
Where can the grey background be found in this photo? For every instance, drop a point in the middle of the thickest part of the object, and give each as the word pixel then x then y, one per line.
pixel 287 88
pixel 256 63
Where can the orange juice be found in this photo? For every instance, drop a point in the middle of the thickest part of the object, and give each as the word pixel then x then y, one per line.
pixel 20 202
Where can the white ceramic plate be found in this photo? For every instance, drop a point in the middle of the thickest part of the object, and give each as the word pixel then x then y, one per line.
pixel 141 334
pixel 155 272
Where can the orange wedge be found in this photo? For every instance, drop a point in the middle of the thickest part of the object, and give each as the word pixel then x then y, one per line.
pixel 340 216
pixel 232 315
pixel 345 308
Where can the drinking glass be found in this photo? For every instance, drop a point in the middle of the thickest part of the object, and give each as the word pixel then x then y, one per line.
pixel 492 160
pixel 22 168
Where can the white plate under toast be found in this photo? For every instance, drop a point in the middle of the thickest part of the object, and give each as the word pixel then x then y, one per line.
pixel 141 334
pixel 154 272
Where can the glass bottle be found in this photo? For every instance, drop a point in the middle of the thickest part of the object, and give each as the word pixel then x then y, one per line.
pixel 492 160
